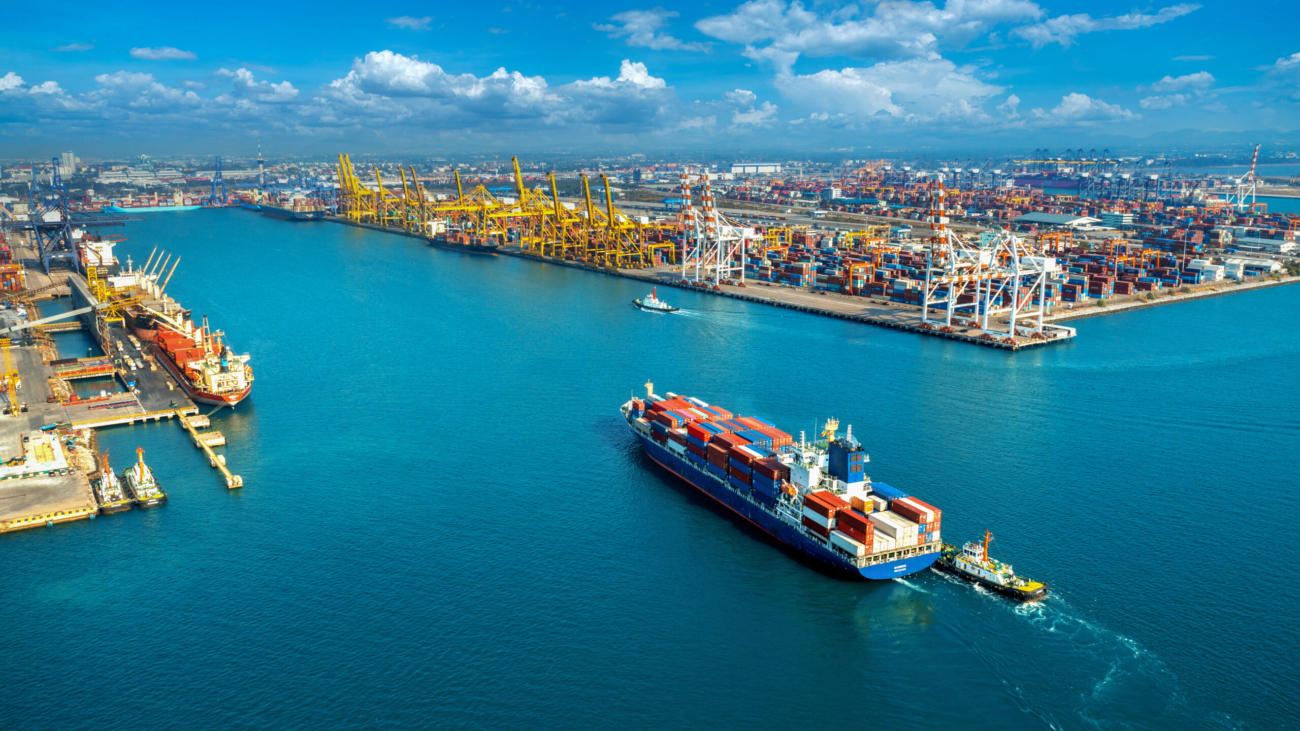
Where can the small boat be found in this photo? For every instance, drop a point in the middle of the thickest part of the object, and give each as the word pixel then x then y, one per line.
pixel 652 303
pixel 108 490
pixel 139 478
pixel 972 563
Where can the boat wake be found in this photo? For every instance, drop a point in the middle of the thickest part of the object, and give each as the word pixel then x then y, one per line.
pixel 1084 675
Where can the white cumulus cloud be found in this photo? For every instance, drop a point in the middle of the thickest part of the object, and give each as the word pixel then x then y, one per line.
pixel 409 23
pixel 162 53
pixel 916 89
pixel 1167 101
pixel 1064 29
pixel 1199 81
pixel 642 29
pixel 775 30
pixel 1082 109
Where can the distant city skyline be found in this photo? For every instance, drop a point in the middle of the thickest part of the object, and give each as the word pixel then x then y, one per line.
pixel 758 75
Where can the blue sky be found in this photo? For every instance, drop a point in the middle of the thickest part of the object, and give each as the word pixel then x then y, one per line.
pixel 764 74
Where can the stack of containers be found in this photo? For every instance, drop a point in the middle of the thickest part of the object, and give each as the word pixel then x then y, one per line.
pixel 925 515
pixel 740 463
pixel 716 456
pixel 894 530
pixel 768 475
pixel 854 532
pixel 819 509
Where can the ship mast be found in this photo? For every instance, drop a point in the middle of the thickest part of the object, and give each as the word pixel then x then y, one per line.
pixel 987 538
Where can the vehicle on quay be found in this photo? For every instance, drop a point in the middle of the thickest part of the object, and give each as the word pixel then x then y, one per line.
pixel 108 489
pixel 652 303
pixel 142 484
pixel 813 497
pixel 972 563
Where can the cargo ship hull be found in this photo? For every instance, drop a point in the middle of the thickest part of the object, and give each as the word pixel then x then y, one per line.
pixel 195 395
pixel 769 523
pixel 149 209
pixel 443 243
pixel 288 214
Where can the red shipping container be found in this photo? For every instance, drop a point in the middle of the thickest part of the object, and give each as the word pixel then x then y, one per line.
pixel 750 422
pixel 910 512
pixel 730 440
pixel 773 469
pixel 778 437
pixel 677 436
pixel 699 432
pixel 853 519
pixel 856 534
pixel 831 499
pixel 742 456
pixel 696 450
pixel 819 530
pixel 668 405
pixel 717 455
pixel 740 474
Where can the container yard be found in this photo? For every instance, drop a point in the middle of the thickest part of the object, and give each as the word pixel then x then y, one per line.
pixel 964 274
pixel 53 471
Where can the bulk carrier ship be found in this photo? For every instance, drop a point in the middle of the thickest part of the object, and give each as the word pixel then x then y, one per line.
pixel 205 367
pixel 813 497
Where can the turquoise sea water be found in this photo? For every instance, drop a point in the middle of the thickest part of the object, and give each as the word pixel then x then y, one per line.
pixel 446 525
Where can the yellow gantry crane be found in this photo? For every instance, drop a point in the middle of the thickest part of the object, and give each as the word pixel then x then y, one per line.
pixel 535 221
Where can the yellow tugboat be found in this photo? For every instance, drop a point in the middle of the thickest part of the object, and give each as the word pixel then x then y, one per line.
pixel 972 563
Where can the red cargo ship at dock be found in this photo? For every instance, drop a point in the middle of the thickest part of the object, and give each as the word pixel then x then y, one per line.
pixel 207 369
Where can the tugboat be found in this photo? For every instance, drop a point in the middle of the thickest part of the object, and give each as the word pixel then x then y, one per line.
pixel 139 479
pixel 652 303
pixel 108 490
pixel 972 563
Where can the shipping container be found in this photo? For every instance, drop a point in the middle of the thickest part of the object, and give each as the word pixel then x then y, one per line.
pixel 853 547
pixel 816 528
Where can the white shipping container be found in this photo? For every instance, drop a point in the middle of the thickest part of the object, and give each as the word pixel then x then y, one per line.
pixel 882 542
pixel 894 525
pixel 676 447
pixel 881 504
pixel 817 517
pixel 848 544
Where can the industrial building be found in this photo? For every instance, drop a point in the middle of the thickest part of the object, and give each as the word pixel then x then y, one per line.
pixel 755 168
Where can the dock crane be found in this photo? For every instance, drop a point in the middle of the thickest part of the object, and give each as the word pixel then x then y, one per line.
pixel 10 379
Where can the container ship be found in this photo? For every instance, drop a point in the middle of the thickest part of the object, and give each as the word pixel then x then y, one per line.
pixel 144 487
pixel 813 497
pixel 295 208
pixel 453 240
pixel 154 204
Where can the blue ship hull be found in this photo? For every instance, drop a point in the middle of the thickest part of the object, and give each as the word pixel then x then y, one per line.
pixel 769 523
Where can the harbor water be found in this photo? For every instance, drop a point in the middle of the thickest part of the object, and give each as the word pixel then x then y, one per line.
pixel 445 524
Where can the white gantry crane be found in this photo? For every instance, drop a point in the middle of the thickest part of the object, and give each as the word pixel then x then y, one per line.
pixel 978 282
pixel 713 246
pixel 1245 188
